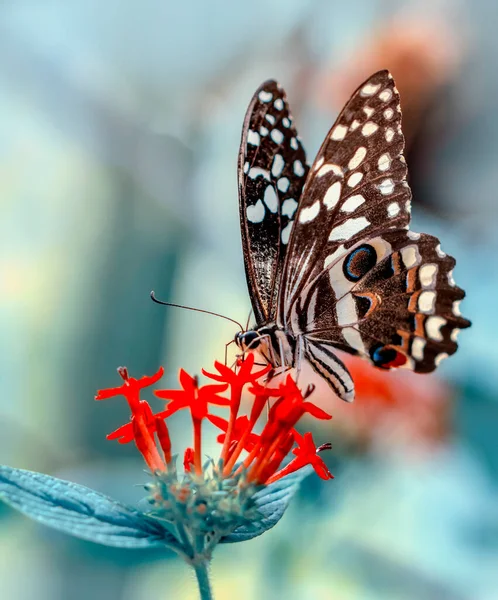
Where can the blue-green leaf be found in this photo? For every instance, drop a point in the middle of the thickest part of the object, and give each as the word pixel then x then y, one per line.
pixel 80 511
pixel 272 501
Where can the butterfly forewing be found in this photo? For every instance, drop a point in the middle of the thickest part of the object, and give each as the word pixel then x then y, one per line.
pixel 356 186
pixel 272 172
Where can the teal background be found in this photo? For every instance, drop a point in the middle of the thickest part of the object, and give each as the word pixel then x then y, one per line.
pixel 119 132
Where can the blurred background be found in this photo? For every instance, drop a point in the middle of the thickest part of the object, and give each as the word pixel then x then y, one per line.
pixel 119 131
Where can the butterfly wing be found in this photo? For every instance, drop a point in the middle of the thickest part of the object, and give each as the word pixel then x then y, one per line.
pixel 272 171
pixel 355 188
pixel 393 301
pixel 355 277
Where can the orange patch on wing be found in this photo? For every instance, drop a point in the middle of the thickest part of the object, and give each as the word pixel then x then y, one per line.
pixel 396 263
pixel 411 280
pixel 405 339
pixel 412 304
pixel 419 325
pixel 375 301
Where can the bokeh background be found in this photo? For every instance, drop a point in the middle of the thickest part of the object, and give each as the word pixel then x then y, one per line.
pixel 119 131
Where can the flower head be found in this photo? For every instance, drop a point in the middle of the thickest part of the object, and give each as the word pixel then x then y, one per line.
pixel 193 397
pixel 240 431
pixel 306 454
pixel 218 497
pixel 265 452
pixel 143 424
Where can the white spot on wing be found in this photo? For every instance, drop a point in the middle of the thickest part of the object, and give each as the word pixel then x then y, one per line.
pixel 456 308
pixel 426 302
pixel 270 199
pixel 278 104
pixel 454 335
pixel 355 179
pixel 298 168
pixel 393 209
pixel 357 159
pixel 311 212
pixel 348 229
pixel 427 275
pixel 418 346
pixel 289 207
pixel 263 131
pixel 332 195
pixel 319 163
pixel 369 128
pixel 389 134
pixel 410 256
pixel 253 137
pixel 246 166
pixel 354 125
pixel 451 281
pixel 385 95
pixel 339 132
pixel 285 122
pixel 352 203
pixel 259 172
pixel 439 358
pixel 384 162
pixel 265 96
pixel 293 143
pixel 368 111
pixel 278 165
pixel 256 213
pixel 433 327
pixel 283 184
pixel 277 136
pixel 439 252
pixel 270 119
pixel 369 89
pixel 329 167
pixel 286 231
pixel 386 187
pixel 413 235
pixel 388 114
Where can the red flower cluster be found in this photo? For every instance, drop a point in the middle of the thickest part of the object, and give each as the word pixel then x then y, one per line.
pixel 265 451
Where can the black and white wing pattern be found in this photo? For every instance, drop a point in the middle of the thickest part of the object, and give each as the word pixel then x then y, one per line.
pixel 272 170
pixel 355 277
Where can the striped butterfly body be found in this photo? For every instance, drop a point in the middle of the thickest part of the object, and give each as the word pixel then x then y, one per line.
pixel 330 260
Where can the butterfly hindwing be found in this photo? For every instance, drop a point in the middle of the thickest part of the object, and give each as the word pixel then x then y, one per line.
pixel 391 299
pixel 272 171
pixel 356 186
pixel 324 360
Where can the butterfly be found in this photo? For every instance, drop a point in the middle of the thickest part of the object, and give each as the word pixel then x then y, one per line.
pixel 330 261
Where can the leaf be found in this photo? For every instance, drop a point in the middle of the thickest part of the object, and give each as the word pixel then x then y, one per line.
pixel 272 501
pixel 80 511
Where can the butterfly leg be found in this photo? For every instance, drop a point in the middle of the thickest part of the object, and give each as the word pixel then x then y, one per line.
pixel 226 351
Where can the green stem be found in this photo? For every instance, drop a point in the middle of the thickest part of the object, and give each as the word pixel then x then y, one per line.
pixel 187 544
pixel 202 574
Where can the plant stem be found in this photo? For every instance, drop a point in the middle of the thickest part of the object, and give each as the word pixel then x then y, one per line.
pixel 197 446
pixel 202 574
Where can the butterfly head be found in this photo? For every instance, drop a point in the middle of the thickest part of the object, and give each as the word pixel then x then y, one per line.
pixel 247 340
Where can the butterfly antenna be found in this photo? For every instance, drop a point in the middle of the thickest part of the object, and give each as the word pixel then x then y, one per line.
pixel 207 312
pixel 248 319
